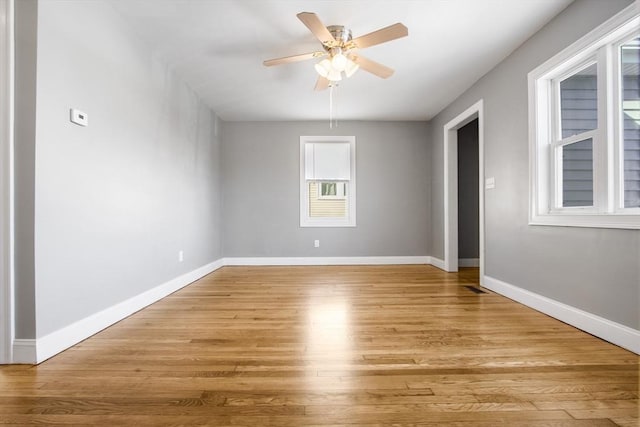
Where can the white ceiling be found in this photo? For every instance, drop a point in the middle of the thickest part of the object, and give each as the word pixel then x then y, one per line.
pixel 217 47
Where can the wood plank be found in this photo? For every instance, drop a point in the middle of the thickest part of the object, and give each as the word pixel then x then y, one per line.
pixel 330 346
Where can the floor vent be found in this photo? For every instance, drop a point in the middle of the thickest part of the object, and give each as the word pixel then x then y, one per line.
pixel 475 290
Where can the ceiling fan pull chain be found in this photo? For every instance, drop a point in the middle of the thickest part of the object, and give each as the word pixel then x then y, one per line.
pixel 331 106
pixel 333 122
pixel 335 113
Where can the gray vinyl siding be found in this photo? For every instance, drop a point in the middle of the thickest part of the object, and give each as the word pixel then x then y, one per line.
pixel 577 174
pixel 631 146
pixel 579 113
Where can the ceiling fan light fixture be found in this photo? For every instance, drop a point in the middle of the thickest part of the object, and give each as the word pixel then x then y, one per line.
pixel 350 68
pixel 339 61
pixel 324 68
pixel 334 76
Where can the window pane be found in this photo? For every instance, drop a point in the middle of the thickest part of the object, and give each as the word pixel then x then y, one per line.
pixel 325 208
pixel 328 188
pixel 579 102
pixel 577 174
pixel 630 58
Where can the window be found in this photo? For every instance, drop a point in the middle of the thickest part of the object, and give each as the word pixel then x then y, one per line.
pixel 327 181
pixel 584 119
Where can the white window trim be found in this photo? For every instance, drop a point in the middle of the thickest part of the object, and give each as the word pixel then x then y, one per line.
pixel 350 220
pixel 607 211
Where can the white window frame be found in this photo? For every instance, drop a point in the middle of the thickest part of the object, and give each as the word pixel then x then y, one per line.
pixel 350 219
pixel 602 46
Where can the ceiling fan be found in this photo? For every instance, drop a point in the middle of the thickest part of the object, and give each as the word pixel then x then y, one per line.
pixel 340 48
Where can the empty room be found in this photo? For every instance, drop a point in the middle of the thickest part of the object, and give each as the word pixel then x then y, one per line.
pixel 320 213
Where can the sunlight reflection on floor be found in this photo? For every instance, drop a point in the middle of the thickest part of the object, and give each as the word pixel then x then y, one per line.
pixel 329 344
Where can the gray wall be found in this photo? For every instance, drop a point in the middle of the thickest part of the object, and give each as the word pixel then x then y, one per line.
pixel 261 190
pixel 468 195
pixel 115 201
pixel 593 269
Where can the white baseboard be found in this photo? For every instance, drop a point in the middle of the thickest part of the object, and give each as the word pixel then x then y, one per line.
pixel 24 351
pixel 469 262
pixel 608 330
pixel 360 260
pixel 37 351
pixel 437 262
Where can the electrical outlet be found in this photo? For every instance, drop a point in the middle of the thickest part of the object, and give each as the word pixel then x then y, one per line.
pixel 79 117
pixel 180 256
pixel 316 243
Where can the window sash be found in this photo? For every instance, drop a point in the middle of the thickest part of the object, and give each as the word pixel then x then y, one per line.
pixel 557 142
pixel 556 108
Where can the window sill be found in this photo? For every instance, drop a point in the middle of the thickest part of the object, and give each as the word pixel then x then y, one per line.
pixel 327 223
pixel 620 221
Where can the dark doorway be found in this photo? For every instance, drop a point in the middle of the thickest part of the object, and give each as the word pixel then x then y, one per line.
pixel 468 196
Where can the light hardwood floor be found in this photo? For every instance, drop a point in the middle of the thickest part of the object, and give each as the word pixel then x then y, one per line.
pixel 329 346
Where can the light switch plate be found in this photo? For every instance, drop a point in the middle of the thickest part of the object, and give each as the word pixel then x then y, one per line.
pixel 79 117
pixel 490 183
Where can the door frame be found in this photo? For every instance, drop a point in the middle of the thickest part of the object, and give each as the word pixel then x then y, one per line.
pixel 476 111
pixel 6 179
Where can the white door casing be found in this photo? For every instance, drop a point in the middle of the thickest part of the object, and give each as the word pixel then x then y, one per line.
pixel 451 185
pixel 6 179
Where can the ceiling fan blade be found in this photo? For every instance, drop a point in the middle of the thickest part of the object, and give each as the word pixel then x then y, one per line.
pixel 372 66
pixel 316 26
pixel 322 83
pixel 382 35
pixel 293 58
